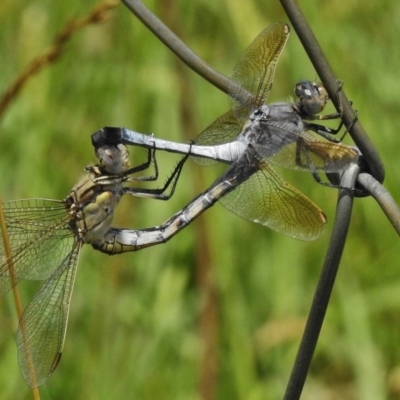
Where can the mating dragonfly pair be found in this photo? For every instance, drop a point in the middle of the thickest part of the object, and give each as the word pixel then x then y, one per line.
pixel 46 236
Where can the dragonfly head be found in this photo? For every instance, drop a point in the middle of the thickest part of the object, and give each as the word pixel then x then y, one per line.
pixel 312 97
pixel 114 159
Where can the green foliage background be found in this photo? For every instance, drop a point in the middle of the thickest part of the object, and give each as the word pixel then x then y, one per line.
pixel 218 311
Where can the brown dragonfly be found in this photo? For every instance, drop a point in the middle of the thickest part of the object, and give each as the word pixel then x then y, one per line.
pixel 45 238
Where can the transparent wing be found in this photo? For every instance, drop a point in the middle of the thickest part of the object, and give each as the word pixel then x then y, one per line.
pixel 251 79
pixel 42 328
pixel 303 151
pixel 267 199
pixel 251 82
pixel 39 236
pixel 223 130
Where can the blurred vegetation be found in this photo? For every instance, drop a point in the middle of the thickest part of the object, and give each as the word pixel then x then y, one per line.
pixel 217 312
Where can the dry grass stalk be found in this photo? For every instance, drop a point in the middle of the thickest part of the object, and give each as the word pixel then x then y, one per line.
pixel 99 14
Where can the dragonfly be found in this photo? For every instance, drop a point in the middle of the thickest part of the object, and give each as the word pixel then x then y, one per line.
pixel 46 237
pixel 267 135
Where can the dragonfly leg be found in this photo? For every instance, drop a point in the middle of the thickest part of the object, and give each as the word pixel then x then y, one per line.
pixel 102 171
pixel 167 191
pixel 151 159
pixel 325 131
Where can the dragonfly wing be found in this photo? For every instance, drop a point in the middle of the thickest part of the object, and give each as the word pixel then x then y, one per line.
pixel 251 82
pixel 42 328
pixel 251 79
pixel 267 199
pixel 223 130
pixel 36 231
pixel 283 146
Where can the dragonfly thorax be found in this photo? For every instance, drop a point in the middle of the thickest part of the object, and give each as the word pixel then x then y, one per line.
pixel 87 189
pixel 271 127
pixel 260 114
pixel 94 219
pixel 255 124
pixel 92 202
